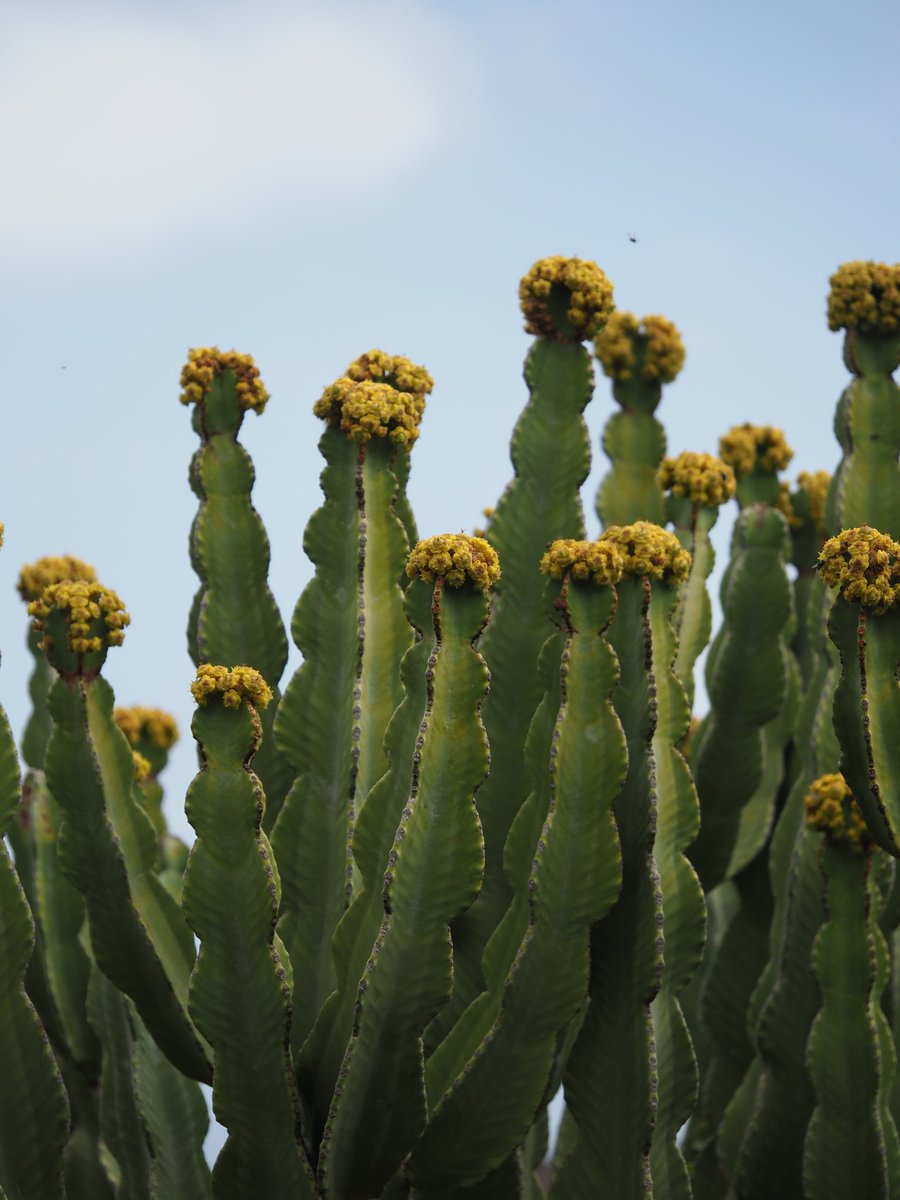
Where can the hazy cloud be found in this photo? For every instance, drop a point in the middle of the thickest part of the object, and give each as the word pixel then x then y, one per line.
pixel 119 122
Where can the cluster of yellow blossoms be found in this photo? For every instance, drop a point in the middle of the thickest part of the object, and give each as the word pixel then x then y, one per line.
pixel 206 362
pixel 814 485
pixel 654 342
pixel 865 565
pixel 750 447
pixel 377 367
pixel 157 726
pixel 454 557
pixel 366 410
pixel 84 603
pixel 865 296
pixel 703 479
pixel 590 296
pixel 235 685
pixel 832 808
pixel 52 569
pixel 583 560
pixel 650 550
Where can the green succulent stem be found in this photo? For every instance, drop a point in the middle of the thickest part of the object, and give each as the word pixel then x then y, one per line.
pixel 635 442
pixel 240 989
pixel 566 874
pixel 867 713
pixel 434 871
pixel 851 1145
pixel 692 618
pixel 551 457
pixel 350 626
pixel 108 849
pixel 865 488
pixel 234 618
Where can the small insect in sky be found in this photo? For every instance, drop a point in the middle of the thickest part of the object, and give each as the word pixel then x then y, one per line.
pixel 632 238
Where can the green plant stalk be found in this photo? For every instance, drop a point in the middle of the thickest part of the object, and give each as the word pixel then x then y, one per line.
pixel 635 442
pixel 611 1078
pixel 693 615
pixel 563 886
pixel 867 713
pixel 234 618
pixel 551 457
pixel 34 1116
pixel 851 1146
pixel 865 488
pixel 684 908
pixel 434 871
pixel 322 1054
pixel 108 849
pixel 746 680
pixel 350 627
pixel 125 1152
pixel 240 989
pixel 786 998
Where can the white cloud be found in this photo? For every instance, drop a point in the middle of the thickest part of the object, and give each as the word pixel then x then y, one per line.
pixel 120 122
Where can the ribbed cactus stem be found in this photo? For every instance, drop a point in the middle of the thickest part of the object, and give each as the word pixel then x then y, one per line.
pixel 866 484
pixel 240 990
pixel 234 617
pixel 746 679
pixel 350 626
pixel 864 624
pixel 611 1078
pixel 564 301
pixel 433 873
pixel 851 1145
pixel 566 877
pixel 107 845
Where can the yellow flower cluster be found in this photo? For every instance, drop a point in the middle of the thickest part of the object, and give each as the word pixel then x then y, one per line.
pixel 156 726
pixel 749 448
pixel 141 767
pixel 832 808
pixel 648 549
pixel 617 345
pixel 865 565
pixel 454 557
pixel 240 683
pixel 2 531
pixel 815 485
pixel 590 296
pixel 865 296
pixel 599 561
pixel 84 603
pixel 377 367
pixel 34 577
pixel 206 362
pixel 703 479
pixel 366 410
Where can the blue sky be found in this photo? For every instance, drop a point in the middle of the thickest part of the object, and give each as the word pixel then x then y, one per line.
pixel 303 182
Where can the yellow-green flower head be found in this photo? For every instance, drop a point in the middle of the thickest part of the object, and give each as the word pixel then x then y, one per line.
pixel 154 725
pixel 204 363
pixel 865 296
pixel 377 367
pixel 95 614
pixel 454 557
pixel 233 686
pixel 749 448
pixel 653 344
pixel 597 561
pixel 590 297
pixel 366 410
pixel 832 808
pixel 2 532
pixel 36 576
pixel 815 484
pixel 650 550
pixel 141 766
pixel 865 565
pixel 703 479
